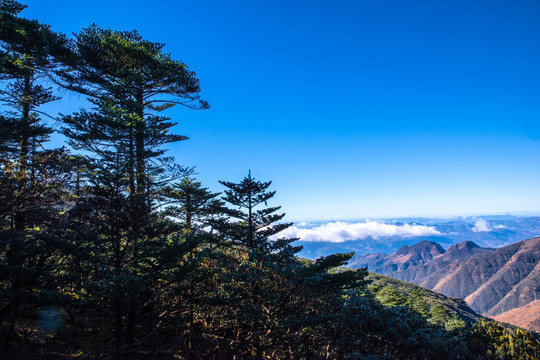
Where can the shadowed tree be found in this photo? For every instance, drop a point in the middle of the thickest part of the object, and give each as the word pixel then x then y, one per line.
pixel 32 179
pixel 254 225
pixel 132 81
pixel 282 304
pixel 29 52
pixel 129 81
pixel 192 204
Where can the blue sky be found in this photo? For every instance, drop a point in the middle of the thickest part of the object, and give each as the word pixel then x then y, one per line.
pixel 354 109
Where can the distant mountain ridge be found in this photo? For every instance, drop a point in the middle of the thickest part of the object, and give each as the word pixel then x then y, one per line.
pixel 491 281
pixel 323 238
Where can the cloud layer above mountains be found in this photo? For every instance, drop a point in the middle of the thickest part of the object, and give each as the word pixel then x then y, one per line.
pixel 338 231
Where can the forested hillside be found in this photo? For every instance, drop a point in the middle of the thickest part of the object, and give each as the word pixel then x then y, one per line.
pixel 111 250
pixel 431 305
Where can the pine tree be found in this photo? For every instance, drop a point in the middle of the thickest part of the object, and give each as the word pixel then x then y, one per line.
pixel 418 304
pixel 254 226
pixel 128 81
pixel 29 51
pixel 32 180
pixel 192 204
pixel 454 323
pixel 194 208
pixel 439 315
pixel 259 259
pixel 281 301
pixel 390 297
pixel 133 80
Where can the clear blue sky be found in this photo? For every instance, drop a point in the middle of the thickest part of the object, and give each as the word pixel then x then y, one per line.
pixel 353 109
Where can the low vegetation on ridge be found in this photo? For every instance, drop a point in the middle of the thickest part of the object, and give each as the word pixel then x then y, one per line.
pixel 422 300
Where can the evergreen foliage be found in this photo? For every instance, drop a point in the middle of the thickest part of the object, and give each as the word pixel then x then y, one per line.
pixel 390 297
pixel 418 304
pixel 254 226
pixel 129 81
pixel 32 180
pixel 439 315
pixel 195 206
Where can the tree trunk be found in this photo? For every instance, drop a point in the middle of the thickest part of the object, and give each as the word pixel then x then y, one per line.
pixel 140 209
pixel 118 330
pixel 19 216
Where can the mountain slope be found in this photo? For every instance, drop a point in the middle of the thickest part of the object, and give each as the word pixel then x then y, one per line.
pixel 520 261
pixel 489 280
pixel 527 317
pixel 520 295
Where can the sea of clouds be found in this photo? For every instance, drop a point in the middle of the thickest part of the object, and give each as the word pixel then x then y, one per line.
pixel 339 231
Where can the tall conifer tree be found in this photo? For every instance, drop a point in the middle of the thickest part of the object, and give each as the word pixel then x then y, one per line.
pixel 192 204
pixel 129 81
pixel 279 293
pixel 31 179
pixel 254 226
pixel 29 52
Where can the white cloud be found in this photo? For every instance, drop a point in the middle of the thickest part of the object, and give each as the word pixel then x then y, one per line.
pixel 481 226
pixel 338 231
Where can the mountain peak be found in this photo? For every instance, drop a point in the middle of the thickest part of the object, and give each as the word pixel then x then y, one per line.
pixel 466 245
pixel 462 249
pixel 404 250
pixel 417 254
pixel 426 244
